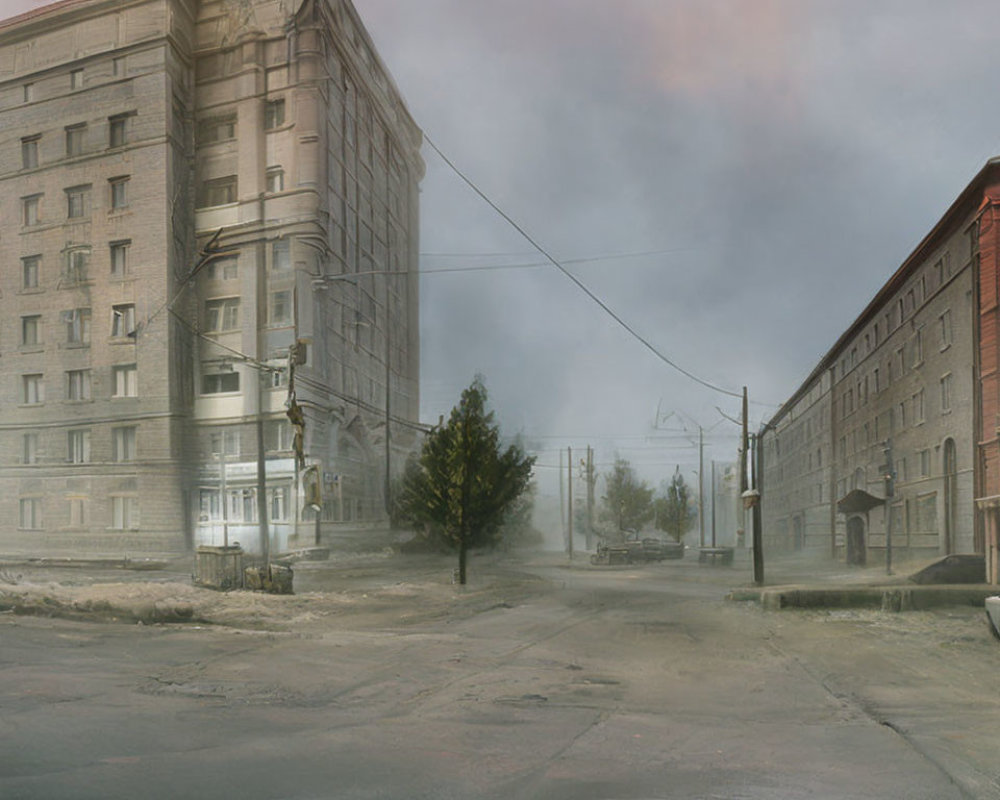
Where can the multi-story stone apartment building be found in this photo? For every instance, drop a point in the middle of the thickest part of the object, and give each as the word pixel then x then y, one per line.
pixel 189 188
pixel 896 409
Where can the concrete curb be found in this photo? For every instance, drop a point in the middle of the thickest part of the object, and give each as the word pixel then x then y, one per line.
pixel 887 598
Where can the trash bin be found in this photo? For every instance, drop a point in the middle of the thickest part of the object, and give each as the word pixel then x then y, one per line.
pixel 219 567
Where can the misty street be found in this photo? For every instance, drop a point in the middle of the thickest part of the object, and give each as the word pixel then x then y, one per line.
pixel 572 683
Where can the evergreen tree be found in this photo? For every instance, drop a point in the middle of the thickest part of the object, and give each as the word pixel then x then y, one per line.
pixel 464 483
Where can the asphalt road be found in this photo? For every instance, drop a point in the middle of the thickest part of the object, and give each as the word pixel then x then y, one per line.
pixel 617 683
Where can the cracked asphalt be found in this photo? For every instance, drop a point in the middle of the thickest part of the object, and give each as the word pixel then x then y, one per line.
pixel 383 680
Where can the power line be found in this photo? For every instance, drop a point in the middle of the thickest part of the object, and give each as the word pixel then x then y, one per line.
pixel 536 264
pixel 604 306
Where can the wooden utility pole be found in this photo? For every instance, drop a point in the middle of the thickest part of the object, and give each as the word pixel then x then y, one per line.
pixel 569 492
pixel 222 489
pixel 758 527
pixel 264 533
pixel 590 497
pixel 890 491
pixel 701 487
pixel 712 490
pixel 562 495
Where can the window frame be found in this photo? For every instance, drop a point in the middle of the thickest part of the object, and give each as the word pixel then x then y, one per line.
pixel 118 199
pixel 123 320
pixel 29 151
pixel 124 381
pixel 79 386
pixel 78 446
pixel 124 444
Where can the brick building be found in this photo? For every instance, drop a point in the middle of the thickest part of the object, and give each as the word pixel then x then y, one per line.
pixel 188 188
pixel 910 390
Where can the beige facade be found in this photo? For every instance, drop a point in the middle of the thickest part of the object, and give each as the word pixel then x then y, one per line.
pixel 899 389
pixel 189 188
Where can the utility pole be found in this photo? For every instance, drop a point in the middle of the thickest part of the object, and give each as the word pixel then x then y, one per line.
pixel 569 479
pixel 264 533
pixel 590 497
pixel 701 486
pixel 562 495
pixel 388 397
pixel 222 488
pixel 712 490
pixel 890 491
pixel 758 527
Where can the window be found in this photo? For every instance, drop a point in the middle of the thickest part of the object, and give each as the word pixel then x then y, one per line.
pixel 74 139
pixel 125 381
pixel 925 463
pixel 281 307
pixel 217 129
pixel 278 503
pixel 279 435
pixel 118 130
pixel 32 390
pixel 78 202
pixel 78 447
pixel 208 505
pixel 78 384
pixel 875 380
pixel 225 442
pixel 276 378
pixel 274 114
pixel 226 269
pixel 217 192
pixel 275 179
pixel 918 347
pixel 944 326
pixel 124 512
pixel 918 407
pixel 77 265
pixel 119 258
pixel 118 66
pixel 29 92
pixel 29 271
pixel 123 444
pixel 946 393
pixel 123 320
pixel 29 448
pixel 29 151
pixel 31 330
pixel 30 517
pixel 280 255
pixel 30 209
pixel 220 382
pixel 77 512
pixel 119 192
pixel 901 415
pixel 76 79
pixel 242 505
pixel 77 323
pixel 222 315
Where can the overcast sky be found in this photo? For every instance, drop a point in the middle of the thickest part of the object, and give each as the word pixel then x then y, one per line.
pixel 778 158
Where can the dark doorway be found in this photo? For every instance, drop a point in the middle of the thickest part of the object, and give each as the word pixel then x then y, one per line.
pixel 950 470
pixel 856 552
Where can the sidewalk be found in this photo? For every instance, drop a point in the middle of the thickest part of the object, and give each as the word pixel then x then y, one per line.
pixel 795 581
